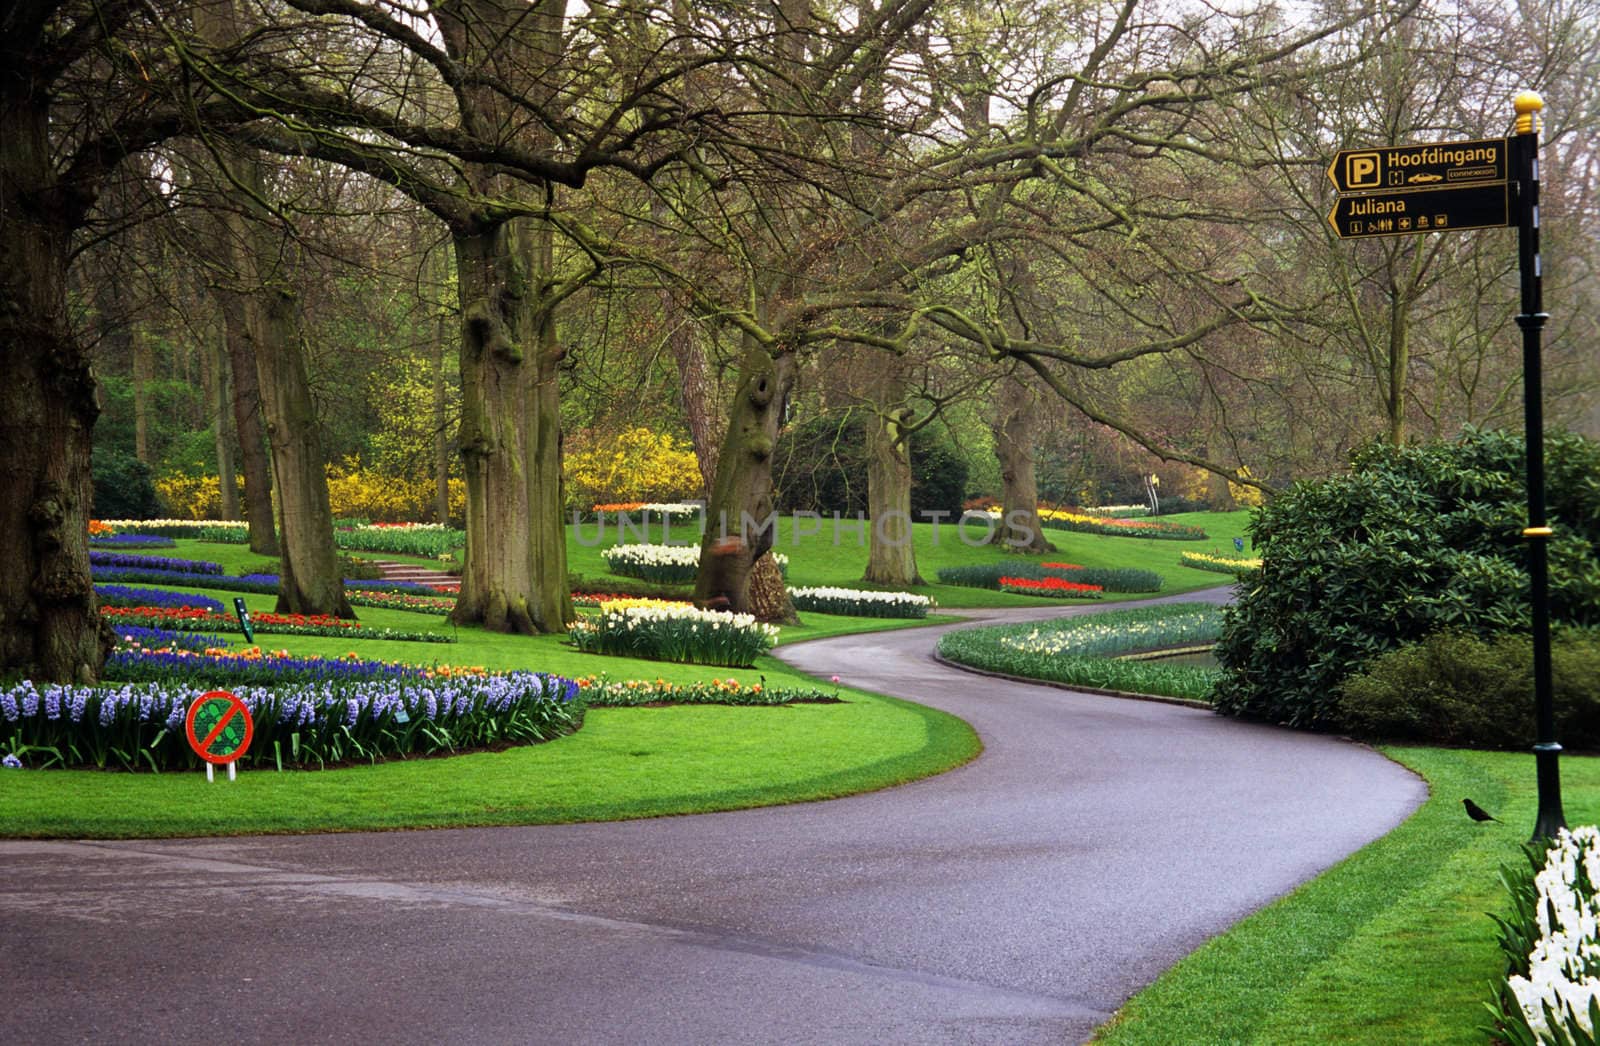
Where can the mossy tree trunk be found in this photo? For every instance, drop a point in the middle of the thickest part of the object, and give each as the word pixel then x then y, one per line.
pixel 696 386
pixel 741 498
pixel 246 404
pixel 214 366
pixel 891 555
pixel 1015 434
pixel 515 577
pixel 441 438
pixel 309 580
pixel 50 628
pixel 547 532
pixel 496 386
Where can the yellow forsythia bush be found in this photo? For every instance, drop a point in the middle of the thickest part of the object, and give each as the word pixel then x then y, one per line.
pixel 353 491
pixel 1245 496
pixel 190 497
pixel 634 465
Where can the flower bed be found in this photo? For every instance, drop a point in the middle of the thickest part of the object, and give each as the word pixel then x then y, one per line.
pixel 197 619
pixel 860 603
pixel 1218 563
pixel 130 541
pixel 664 564
pixel 1108 579
pixel 1083 651
pixel 123 596
pixel 401 601
pixel 1061 519
pixel 1050 586
pixel 1551 993
pixel 596 600
pixel 1114 511
pixel 176 528
pixel 262 584
pixel 249 666
pixel 140 637
pixel 428 540
pixel 675 633
pixel 598 692
pixel 302 724
pixel 157 563
pixel 650 511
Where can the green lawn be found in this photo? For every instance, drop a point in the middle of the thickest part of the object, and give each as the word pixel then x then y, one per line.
pixel 1390 946
pixel 840 559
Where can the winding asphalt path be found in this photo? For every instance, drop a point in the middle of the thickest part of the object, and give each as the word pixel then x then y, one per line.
pixel 1021 898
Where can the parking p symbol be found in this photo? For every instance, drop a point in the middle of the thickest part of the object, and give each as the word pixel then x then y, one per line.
pixel 1361 171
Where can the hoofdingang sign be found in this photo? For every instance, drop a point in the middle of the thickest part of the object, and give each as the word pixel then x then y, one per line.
pixel 1442 187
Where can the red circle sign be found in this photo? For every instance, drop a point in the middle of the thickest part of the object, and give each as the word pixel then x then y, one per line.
pixel 219 727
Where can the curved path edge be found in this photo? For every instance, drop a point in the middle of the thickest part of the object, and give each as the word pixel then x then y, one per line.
pixel 1019 898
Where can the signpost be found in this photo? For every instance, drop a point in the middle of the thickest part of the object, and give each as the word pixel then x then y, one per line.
pixel 1404 189
pixel 244 619
pixel 219 729
pixel 1421 210
pixel 1401 189
pixel 1446 165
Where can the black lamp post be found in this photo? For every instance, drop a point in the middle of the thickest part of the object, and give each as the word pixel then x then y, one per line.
pixel 1546 751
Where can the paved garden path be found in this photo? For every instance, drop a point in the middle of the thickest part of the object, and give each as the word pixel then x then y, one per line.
pixel 439 579
pixel 1018 899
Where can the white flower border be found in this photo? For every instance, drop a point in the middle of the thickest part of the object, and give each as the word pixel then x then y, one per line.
pixel 1564 966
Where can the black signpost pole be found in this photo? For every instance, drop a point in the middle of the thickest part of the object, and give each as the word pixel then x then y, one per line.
pixel 1547 752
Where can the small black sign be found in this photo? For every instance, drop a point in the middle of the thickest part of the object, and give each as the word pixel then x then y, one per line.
pixel 244 619
pixel 1434 210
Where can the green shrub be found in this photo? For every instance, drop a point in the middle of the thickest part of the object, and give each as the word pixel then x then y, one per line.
pixel 1415 540
pixel 124 487
pixel 1458 689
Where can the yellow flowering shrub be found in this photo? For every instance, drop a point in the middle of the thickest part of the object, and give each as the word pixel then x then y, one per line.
pixel 352 491
pixel 1245 496
pixel 365 494
pixel 190 497
pixel 637 465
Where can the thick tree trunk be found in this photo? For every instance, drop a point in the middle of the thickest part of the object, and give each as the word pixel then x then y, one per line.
pixel 741 498
pixel 50 628
pixel 441 440
pixel 310 581
pixel 891 556
pixel 214 368
pixel 141 394
pixel 1016 418
pixel 547 533
pixel 253 459
pixel 496 385
pixel 698 388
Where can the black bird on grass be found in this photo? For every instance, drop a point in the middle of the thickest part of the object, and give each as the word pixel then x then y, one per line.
pixel 1478 813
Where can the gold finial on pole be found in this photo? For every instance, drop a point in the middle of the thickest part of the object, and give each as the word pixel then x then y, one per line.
pixel 1528 105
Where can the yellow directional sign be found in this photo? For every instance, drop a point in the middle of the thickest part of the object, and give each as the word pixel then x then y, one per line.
pixel 1409 168
pixel 1430 210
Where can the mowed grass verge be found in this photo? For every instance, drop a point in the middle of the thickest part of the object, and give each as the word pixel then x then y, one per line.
pixel 1392 945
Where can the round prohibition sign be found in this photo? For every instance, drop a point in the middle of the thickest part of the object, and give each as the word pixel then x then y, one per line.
pixel 219 727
